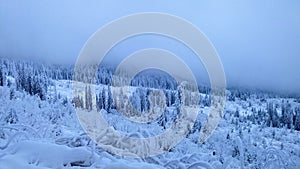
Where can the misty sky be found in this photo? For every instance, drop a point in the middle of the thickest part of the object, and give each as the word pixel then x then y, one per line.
pixel 258 42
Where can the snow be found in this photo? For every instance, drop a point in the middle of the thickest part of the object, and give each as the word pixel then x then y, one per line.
pixel 43 154
pixel 54 138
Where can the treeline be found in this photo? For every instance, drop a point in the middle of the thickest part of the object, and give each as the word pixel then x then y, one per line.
pixel 287 116
pixel 35 79
pixel 31 77
pixel 139 98
pixel 277 115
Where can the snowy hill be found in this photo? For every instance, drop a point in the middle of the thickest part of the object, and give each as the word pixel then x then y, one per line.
pixel 39 127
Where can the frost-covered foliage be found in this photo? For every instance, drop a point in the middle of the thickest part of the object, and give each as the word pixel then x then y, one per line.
pixel 39 127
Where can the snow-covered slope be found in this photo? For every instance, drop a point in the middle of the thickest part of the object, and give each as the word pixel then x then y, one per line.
pixel 47 134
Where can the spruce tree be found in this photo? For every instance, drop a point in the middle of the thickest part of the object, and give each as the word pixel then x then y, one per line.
pixel 1 76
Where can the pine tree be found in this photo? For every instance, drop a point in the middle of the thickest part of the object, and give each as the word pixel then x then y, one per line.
pixel 273 118
pixel 144 100
pixel 110 99
pixel 169 97
pixel 104 99
pixel 297 119
pixel 29 81
pixel 136 100
pixel 1 76
pixel 287 117
pixel 88 98
pixel 99 101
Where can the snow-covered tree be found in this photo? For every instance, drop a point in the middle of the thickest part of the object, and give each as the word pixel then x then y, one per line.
pixel 297 119
pixel 273 118
pixel 287 114
pixel 88 98
pixel 1 76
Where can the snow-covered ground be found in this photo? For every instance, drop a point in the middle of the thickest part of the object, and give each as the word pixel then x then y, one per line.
pixel 47 134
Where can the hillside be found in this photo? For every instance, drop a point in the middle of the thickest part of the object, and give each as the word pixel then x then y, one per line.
pixel 38 123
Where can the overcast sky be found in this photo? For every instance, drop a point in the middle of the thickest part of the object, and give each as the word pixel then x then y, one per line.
pixel 257 41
